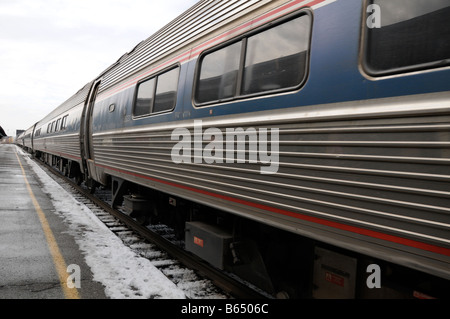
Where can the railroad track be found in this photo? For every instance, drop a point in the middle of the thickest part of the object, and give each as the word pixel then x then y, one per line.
pixel 195 277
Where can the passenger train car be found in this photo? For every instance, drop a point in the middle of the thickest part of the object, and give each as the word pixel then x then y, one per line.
pixel 302 145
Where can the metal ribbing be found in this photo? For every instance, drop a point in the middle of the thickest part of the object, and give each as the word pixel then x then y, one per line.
pixel 400 190
pixel 206 15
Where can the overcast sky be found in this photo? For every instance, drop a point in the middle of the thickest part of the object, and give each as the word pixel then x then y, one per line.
pixel 49 49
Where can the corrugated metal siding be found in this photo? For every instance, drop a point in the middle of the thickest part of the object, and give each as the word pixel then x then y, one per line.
pixel 388 175
pixel 205 16
pixel 67 145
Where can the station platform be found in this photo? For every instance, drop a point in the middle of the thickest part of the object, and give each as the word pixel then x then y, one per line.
pixel 39 259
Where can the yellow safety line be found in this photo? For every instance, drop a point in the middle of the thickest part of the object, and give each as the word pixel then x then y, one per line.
pixel 58 259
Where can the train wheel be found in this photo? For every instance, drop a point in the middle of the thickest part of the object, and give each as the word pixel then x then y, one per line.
pixel 91 185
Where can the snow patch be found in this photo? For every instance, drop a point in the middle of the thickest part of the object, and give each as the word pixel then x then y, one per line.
pixel 123 273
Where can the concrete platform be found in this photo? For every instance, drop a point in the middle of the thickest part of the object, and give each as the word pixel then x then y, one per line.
pixel 37 253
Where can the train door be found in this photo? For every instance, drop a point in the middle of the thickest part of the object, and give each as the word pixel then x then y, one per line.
pixel 32 136
pixel 86 131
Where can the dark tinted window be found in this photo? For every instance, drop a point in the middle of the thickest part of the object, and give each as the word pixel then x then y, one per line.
pixel 166 91
pixel 269 61
pixel 144 99
pixel 218 74
pixel 64 122
pixel 411 35
pixel 276 58
pixel 157 94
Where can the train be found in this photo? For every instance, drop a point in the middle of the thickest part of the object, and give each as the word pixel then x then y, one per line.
pixel 300 145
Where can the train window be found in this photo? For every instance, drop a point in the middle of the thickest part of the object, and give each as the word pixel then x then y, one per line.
pixel 166 91
pixel 276 58
pixel 157 94
pixel 49 127
pixel 57 127
pixel 64 122
pixel 218 75
pixel 269 61
pixel 144 100
pixel 410 35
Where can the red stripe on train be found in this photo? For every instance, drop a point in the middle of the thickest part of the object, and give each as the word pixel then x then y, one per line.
pixel 357 230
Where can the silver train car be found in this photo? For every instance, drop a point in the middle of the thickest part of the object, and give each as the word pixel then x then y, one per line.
pixel 26 139
pixel 294 143
pixel 57 136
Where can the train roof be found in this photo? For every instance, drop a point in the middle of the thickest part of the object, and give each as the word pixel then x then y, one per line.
pixel 73 101
pixel 201 19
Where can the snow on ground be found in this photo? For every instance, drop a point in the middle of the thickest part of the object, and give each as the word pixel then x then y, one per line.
pixel 117 267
